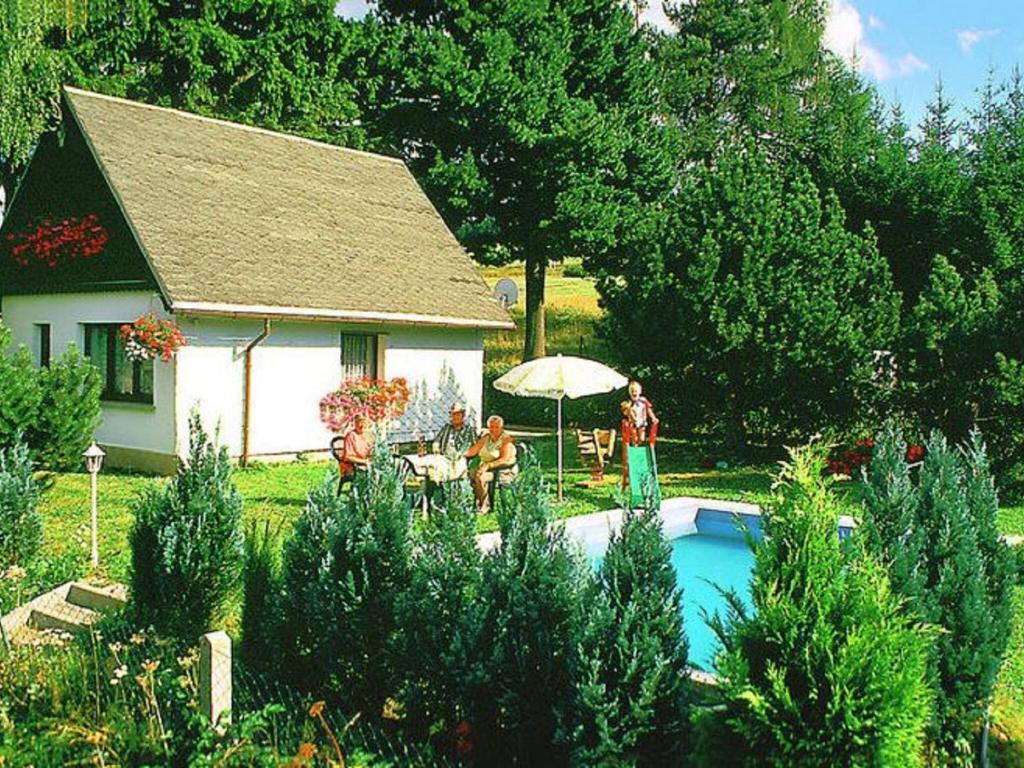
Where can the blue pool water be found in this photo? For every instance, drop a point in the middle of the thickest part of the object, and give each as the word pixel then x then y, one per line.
pixel 704 561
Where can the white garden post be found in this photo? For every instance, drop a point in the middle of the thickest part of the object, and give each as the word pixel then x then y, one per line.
pixel 215 686
pixel 94 462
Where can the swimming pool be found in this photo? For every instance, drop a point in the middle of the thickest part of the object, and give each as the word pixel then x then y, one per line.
pixel 710 550
pixel 716 556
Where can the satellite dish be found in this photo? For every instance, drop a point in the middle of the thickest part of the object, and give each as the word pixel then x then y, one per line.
pixel 506 292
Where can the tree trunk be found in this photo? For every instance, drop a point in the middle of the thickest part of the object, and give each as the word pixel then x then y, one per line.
pixel 535 344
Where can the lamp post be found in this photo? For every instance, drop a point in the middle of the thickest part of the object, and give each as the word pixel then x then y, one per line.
pixel 93 462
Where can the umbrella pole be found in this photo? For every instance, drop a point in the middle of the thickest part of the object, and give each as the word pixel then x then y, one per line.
pixel 559 450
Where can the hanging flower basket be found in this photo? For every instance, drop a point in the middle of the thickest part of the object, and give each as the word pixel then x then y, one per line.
pixel 149 337
pixel 50 242
pixel 378 400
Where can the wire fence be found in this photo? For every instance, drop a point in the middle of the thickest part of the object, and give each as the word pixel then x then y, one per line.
pixel 253 691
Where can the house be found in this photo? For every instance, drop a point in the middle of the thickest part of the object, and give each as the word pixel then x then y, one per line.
pixel 288 264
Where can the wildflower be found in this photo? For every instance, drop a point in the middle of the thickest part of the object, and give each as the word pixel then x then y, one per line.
pixel 306 751
pixel 150 666
pixel 137 638
pixel 115 648
pixel 119 674
pixel 317 709
pixel 15 574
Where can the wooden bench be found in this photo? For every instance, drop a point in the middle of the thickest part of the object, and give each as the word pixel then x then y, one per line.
pixel 596 447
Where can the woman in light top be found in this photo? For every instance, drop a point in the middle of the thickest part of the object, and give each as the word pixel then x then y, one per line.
pixel 358 447
pixel 497 453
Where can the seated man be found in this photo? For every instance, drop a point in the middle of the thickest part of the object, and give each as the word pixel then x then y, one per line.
pixel 456 437
pixel 497 453
pixel 356 450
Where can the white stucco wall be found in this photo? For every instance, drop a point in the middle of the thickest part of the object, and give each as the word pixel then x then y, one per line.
pixel 125 425
pixel 292 369
pixel 297 365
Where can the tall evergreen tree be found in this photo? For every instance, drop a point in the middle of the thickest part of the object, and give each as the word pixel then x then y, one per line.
pixel 631 704
pixel 532 125
pixel 522 685
pixel 828 670
pixel 763 308
pixel 963 578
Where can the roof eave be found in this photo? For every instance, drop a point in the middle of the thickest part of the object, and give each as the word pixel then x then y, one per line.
pixel 337 316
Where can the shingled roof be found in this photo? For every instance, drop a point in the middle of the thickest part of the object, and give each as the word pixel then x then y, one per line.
pixel 241 220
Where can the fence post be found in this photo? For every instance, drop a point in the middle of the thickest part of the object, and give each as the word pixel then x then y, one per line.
pixel 215 676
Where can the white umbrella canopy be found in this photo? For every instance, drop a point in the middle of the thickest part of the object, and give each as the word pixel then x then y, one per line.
pixel 557 378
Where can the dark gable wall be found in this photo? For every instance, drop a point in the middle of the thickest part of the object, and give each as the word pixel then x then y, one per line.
pixel 63 180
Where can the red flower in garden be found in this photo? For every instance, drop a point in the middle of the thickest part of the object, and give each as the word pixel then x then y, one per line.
pixel 463 739
pixel 915 453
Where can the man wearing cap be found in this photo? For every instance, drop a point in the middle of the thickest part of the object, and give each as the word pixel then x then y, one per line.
pixel 456 437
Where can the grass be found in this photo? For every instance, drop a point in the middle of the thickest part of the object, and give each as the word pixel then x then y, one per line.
pixel 571 312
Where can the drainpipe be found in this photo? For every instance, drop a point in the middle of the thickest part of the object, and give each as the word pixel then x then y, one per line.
pixel 246 394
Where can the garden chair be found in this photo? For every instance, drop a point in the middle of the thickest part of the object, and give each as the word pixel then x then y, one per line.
pixel 596 447
pixel 502 481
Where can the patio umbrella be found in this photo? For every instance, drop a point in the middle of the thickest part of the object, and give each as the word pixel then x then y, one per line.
pixel 557 378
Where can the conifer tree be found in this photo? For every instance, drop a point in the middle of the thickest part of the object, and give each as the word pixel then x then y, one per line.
pixel 963 580
pixel 344 569
pixel 829 669
pixel 631 705
pixel 187 542
pixel 530 596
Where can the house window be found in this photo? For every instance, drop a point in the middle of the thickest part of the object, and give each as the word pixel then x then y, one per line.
pixel 42 344
pixel 358 356
pixel 123 379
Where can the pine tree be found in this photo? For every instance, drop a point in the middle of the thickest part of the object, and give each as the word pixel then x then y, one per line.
pixel 438 616
pixel 187 543
pixel 530 596
pixel 964 575
pixel 345 566
pixel 828 670
pixel 631 704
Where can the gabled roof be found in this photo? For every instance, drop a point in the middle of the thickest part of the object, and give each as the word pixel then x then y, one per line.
pixel 241 220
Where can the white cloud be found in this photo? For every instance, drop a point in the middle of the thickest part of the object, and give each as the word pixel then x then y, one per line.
pixel 874 22
pixel 844 36
pixel 970 37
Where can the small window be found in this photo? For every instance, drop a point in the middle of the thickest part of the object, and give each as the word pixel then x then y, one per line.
pixel 43 344
pixel 358 356
pixel 123 379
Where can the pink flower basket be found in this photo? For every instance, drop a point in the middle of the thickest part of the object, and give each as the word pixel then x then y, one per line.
pixel 379 400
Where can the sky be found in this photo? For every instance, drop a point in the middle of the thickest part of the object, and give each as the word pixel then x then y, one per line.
pixel 905 46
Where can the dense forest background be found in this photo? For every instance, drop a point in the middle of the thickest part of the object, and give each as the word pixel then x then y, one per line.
pixel 777 251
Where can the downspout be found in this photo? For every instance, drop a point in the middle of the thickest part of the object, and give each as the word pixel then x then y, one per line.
pixel 246 394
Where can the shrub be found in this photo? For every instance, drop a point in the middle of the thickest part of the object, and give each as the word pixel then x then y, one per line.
pixel 530 599
pixel 574 269
pixel 631 705
pixel 828 670
pixel 70 410
pixel 345 565
pixel 261 587
pixel 21 528
pixel 187 543
pixel 939 539
pixel 438 616
pixel 20 393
